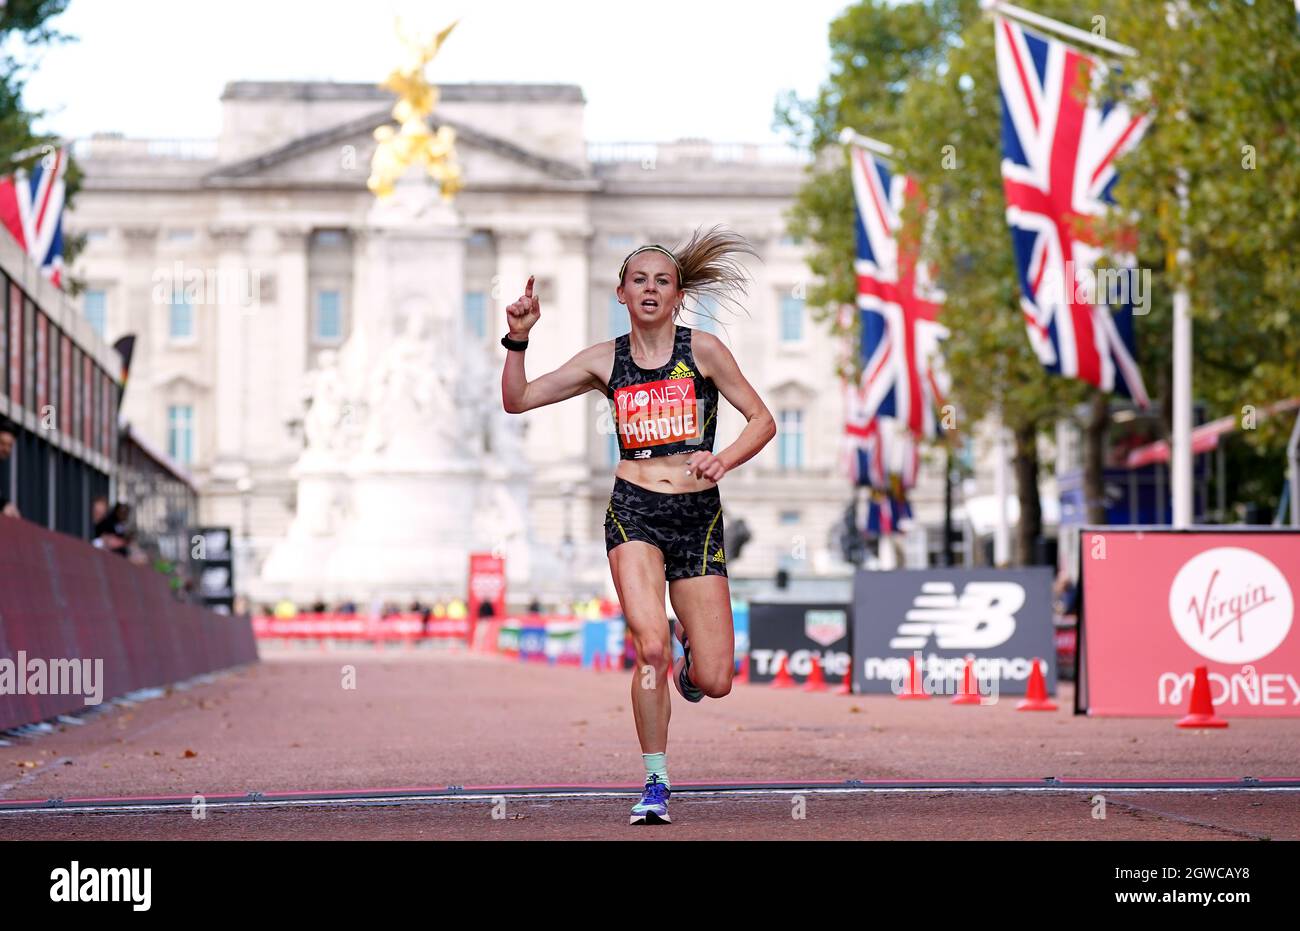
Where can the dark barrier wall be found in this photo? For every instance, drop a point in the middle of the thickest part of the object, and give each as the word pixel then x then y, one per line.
pixel 62 599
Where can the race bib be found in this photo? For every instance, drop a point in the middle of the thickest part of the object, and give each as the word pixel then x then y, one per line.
pixel 657 412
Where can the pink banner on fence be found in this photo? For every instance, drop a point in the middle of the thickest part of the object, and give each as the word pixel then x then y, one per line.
pixel 1158 604
pixel 63 601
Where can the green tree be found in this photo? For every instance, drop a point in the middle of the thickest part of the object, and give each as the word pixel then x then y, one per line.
pixel 24 30
pixel 1223 80
pixel 922 77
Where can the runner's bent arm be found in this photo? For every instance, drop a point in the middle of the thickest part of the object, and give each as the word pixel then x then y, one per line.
pixel 571 379
pixel 713 355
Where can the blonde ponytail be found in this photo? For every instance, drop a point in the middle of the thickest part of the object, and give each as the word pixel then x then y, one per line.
pixel 710 265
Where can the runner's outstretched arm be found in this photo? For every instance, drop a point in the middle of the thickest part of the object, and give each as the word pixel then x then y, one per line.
pixel 571 379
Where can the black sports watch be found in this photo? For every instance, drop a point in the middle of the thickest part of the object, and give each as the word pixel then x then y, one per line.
pixel 519 345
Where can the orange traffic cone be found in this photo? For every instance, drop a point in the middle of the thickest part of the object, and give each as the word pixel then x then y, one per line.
pixel 783 679
pixel 816 682
pixel 742 676
pixel 846 684
pixel 915 686
pixel 969 694
pixel 1036 699
pixel 1201 712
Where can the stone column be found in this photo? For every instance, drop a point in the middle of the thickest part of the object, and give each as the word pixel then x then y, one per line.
pixel 285 322
pixel 146 318
pixel 229 387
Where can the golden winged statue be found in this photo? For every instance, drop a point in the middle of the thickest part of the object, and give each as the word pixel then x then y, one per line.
pixel 413 141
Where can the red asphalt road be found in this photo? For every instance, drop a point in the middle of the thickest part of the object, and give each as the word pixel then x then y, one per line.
pixel 423 718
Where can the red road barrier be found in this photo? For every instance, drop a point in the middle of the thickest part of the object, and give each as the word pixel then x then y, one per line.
pixel 63 600
pixel 396 628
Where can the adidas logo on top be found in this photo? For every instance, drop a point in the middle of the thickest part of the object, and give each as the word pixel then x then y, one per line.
pixel 682 370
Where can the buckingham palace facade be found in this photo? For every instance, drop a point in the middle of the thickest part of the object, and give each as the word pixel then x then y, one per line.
pixel 274 208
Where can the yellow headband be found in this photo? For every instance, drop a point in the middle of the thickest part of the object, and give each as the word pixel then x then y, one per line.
pixel 658 248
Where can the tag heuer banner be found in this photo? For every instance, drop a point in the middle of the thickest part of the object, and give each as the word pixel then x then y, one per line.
pixel 1001 617
pixel 798 632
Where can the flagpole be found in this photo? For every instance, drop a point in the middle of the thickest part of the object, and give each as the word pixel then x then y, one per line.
pixel 849 137
pixel 1046 22
pixel 1180 458
pixel 1002 529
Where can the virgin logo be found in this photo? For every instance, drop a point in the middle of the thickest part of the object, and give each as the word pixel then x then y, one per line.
pixel 1231 605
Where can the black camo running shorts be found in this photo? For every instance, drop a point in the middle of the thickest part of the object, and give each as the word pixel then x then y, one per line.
pixel 686 528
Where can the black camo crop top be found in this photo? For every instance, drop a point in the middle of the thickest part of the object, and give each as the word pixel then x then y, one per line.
pixel 663 411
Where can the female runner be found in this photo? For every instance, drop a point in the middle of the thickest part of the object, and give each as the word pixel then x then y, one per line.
pixel 664 519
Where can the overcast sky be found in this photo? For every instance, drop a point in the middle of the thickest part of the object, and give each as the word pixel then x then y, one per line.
pixel 650 71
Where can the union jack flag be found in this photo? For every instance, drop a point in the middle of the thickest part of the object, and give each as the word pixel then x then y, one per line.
pixel 1058 170
pixel 885 513
pixel 880 452
pixel 31 208
pixel 901 374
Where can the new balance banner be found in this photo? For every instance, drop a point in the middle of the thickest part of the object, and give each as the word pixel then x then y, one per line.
pixel 1159 603
pixel 1003 617
pixel 797 632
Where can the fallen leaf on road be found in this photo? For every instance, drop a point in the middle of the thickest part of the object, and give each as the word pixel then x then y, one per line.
pixel 189 753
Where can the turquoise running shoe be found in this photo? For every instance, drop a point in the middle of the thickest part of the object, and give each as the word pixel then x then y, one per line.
pixel 653 807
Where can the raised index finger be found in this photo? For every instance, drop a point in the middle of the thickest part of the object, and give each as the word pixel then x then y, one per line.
pixel 528 291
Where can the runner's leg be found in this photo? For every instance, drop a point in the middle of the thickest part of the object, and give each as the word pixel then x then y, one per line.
pixel 703 606
pixel 638 571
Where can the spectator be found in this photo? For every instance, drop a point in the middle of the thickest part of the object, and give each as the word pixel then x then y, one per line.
pixel 1066 601
pixel 534 606
pixel 424 613
pixel 7 439
pixel 111 532
pixel 486 610
pixel 98 511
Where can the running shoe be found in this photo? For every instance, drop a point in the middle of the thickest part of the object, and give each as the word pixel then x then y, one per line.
pixel 653 807
pixel 685 686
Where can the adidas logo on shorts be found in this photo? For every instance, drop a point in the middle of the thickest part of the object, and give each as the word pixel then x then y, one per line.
pixel 681 370
pixel 719 557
